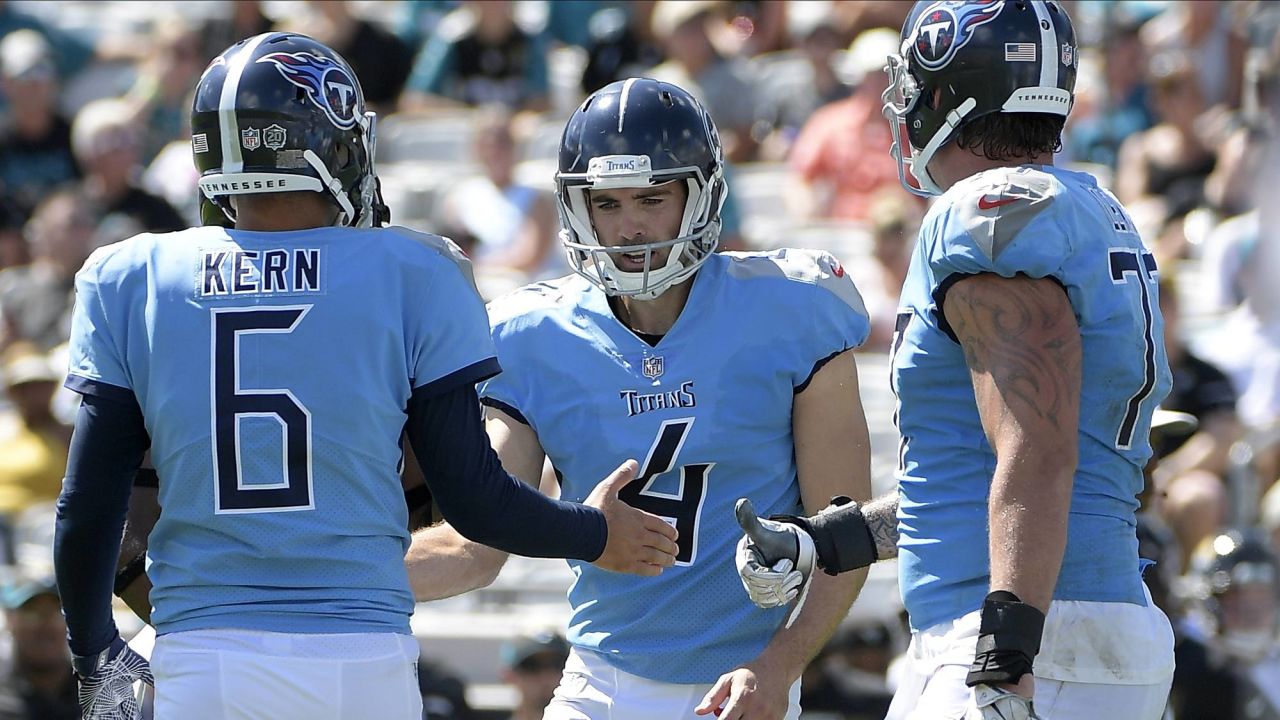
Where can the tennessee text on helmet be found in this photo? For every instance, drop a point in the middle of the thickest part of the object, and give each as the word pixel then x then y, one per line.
pixel 959 61
pixel 281 112
pixel 637 133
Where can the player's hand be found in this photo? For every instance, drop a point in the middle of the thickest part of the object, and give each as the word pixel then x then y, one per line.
pixel 746 694
pixel 775 560
pixel 106 682
pixel 1006 702
pixel 639 543
pixel 768 586
pixel 766 558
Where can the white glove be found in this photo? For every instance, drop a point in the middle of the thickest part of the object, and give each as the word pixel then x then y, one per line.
pixel 768 587
pixel 997 704
pixel 775 560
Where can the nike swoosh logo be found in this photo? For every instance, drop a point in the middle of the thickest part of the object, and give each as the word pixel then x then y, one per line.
pixel 986 204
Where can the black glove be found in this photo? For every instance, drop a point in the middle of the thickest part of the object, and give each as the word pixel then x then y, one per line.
pixel 1008 640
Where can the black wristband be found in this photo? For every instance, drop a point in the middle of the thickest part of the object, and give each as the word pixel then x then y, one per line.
pixel 146 478
pixel 841 538
pixel 1008 640
pixel 130 572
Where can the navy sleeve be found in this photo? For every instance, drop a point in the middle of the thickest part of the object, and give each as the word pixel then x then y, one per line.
pixel 106 451
pixel 479 498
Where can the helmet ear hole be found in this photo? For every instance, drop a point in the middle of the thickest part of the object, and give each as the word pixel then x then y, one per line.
pixel 931 98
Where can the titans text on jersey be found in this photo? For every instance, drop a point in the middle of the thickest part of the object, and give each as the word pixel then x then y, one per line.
pixel 708 408
pixel 642 402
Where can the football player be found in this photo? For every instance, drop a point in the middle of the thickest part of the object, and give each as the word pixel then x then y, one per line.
pixel 730 374
pixel 1027 363
pixel 271 369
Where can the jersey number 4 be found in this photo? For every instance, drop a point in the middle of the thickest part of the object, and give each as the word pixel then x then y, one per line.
pixel 232 404
pixel 681 508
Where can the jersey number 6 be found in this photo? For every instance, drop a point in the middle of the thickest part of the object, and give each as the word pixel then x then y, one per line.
pixel 232 403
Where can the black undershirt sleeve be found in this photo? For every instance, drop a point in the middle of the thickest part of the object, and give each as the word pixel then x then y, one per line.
pixel 107 448
pixel 480 499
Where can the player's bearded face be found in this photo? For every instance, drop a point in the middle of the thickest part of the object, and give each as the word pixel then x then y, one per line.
pixel 627 217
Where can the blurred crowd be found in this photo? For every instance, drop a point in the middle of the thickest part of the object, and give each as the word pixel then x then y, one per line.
pixel 1177 110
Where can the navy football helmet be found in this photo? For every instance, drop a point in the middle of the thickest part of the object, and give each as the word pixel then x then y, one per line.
pixel 1243 564
pixel 281 112
pixel 960 61
pixel 637 133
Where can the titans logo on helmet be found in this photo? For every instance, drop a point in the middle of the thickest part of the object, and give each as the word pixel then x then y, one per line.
pixel 945 27
pixel 328 85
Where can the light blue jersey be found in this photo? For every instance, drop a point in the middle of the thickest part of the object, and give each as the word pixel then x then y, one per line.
pixel 1039 222
pixel 274 371
pixel 707 412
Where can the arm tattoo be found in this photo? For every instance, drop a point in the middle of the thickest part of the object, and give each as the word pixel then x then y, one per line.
pixel 881 515
pixel 1016 331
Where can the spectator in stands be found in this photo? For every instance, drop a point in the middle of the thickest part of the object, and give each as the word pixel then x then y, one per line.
pixel 1269 515
pixel 618 46
pixel 1172 159
pixel 242 19
pixel 39 685
pixel 381 60
pixel 1203 391
pixel 848 678
pixel 895 219
pixel 724 84
pixel 1122 103
pixel 795 84
pixel 35 299
pixel 515 224
pixel 107 143
pixel 1228 659
pixel 34 458
pixel 854 18
pixel 161 96
pixel 444 696
pixel 532 665
pixel 570 23
pixel 479 55
pixel 71 55
pixel 13 246
pixel 1209 34
pixel 1240 264
pixel 35 140
pixel 1234 190
pixel 758 27
pixel 416 21
pixel 841 158
pixel 1194 507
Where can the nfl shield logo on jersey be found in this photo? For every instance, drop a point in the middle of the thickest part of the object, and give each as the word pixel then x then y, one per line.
pixel 652 366
pixel 251 138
